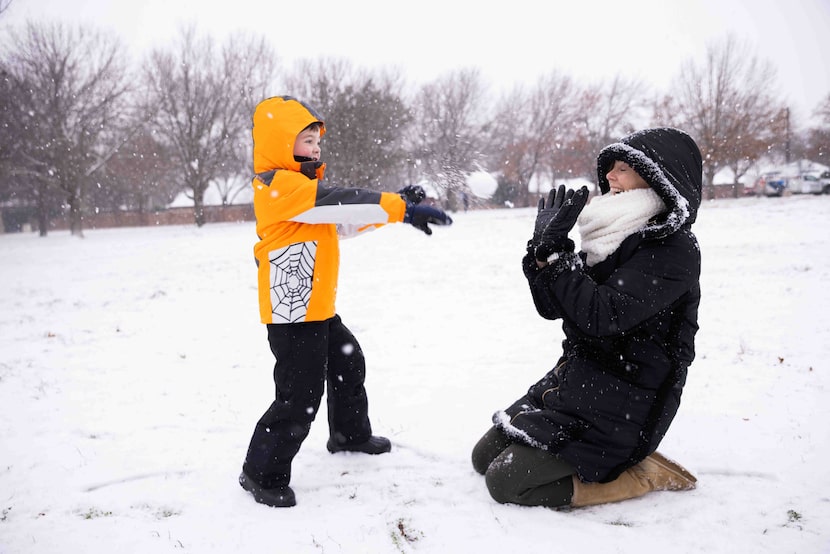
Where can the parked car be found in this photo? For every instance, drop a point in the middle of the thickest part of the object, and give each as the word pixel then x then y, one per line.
pixel 771 183
pixel 805 183
pixel 825 182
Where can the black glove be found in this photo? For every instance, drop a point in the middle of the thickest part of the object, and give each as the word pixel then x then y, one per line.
pixel 420 216
pixel 554 235
pixel 546 211
pixel 413 194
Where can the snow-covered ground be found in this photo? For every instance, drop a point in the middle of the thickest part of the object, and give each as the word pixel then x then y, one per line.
pixel 133 368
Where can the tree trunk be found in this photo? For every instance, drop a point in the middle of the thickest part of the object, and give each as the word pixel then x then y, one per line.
pixel 199 209
pixel 523 194
pixel 143 217
pixel 709 183
pixel 42 216
pixel 75 216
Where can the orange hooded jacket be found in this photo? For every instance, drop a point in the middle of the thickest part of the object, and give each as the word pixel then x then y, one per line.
pixel 299 221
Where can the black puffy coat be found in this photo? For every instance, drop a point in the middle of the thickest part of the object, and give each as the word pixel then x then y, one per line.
pixel 629 323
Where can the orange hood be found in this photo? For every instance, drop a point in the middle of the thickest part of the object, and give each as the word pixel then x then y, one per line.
pixel 277 122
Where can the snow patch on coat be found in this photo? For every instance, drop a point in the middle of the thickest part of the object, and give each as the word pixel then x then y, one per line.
pixel 503 421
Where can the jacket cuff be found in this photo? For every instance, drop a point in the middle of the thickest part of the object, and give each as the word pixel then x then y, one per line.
pixel 558 246
pixel 565 261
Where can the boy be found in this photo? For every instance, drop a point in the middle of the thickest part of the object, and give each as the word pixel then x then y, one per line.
pixel 299 222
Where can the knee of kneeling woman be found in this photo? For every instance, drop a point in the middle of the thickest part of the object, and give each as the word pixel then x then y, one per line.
pixel 479 465
pixel 481 457
pixel 499 483
pixel 488 448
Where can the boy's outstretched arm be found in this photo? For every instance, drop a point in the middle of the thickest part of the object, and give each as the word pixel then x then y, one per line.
pixel 421 216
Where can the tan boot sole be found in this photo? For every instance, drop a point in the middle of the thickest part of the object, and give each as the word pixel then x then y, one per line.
pixel 683 479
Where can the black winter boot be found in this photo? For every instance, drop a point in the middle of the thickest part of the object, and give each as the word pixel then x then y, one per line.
pixel 278 497
pixel 375 445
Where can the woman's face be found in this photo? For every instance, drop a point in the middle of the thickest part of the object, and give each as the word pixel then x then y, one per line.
pixel 307 144
pixel 621 177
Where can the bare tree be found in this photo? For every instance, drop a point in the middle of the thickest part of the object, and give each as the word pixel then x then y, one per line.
pixel 605 112
pixel 728 105
pixel 69 85
pixel 11 126
pixel 450 119
pixel 203 99
pixel 317 81
pixel 817 138
pixel 822 111
pixel 23 180
pixel 139 177
pixel 530 128
pixel 366 120
pixel 12 186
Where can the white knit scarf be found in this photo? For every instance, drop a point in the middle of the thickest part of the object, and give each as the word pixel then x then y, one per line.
pixel 608 219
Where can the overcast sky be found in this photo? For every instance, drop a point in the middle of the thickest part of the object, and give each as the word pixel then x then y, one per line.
pixel 511 42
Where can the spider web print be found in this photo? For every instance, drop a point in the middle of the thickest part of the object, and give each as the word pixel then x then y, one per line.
pixel 292 269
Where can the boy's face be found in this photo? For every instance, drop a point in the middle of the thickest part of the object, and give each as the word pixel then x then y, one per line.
pixel 622 177
pixel 307 144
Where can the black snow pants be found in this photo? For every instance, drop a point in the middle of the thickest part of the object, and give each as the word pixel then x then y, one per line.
pixel 519 474
pixel 308 356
